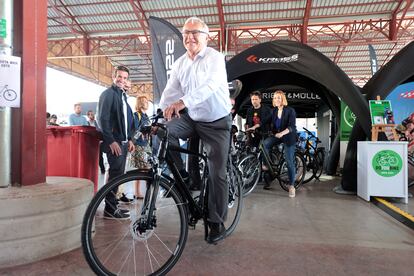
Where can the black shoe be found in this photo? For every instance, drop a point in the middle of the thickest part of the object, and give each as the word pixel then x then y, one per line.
pixel 123 199
pixel 267 187
pixel 117 214
pixel 123 211
pixel 217 232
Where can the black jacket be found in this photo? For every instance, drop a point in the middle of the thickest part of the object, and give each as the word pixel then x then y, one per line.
pixel 288 121
pixel 111 116
pixel 264 113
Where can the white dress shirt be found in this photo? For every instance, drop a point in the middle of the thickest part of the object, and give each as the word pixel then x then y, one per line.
pixel 125 110
pixel 201 84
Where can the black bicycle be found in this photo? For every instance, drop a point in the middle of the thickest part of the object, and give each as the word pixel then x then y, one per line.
pixel 251 168
pixel 151 241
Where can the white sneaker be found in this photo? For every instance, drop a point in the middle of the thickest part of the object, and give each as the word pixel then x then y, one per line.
pixel 292 191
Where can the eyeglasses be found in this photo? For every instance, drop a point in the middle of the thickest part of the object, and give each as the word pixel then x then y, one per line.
pixel 193 32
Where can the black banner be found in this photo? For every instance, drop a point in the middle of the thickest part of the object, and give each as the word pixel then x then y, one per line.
pixel 167 47
pixel 373 59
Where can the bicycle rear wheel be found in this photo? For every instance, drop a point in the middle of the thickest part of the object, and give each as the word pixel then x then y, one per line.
pixel 130 246
pixel 235 203
pixel 300 172
pixel 250 172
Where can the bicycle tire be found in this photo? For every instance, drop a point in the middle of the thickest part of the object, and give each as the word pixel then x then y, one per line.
pixel 235 203
pixel 117 248
pixel 300 172
pixel 320 159
pixel 250 171
pixel 311 168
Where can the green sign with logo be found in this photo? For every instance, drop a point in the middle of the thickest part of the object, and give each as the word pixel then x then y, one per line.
pixel 387 163
pixel 379 111
pixel 347 121
pixel 3 32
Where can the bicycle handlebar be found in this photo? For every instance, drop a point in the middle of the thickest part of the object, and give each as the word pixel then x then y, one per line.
pixel 312 135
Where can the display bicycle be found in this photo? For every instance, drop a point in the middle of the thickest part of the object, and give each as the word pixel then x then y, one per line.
pixel 251 168
pixel 152 240
pixel 314 156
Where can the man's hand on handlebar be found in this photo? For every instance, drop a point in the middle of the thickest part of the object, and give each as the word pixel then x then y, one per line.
pixel 174 110
pixel 253 128
pixel 250 129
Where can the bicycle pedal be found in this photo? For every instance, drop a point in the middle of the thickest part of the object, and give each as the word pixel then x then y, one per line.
pixel 192 223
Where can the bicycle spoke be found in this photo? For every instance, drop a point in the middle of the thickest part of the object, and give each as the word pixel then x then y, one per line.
pixel 141 244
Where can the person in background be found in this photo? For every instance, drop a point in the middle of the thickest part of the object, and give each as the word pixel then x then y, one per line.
pixel 116 122
pixel 256 117
pixel 77 119
pixel 139 157
pixel 196 100
pixel 53 120
pixel 283 127
pixel 91 119
pixel 94 123
pixel 47 118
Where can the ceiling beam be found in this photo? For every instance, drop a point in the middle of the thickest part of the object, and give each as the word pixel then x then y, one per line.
pixel 304 29
pixel 222 26
pixel 140 14
pixel 395 24
pixel 63 16
pixel 79 29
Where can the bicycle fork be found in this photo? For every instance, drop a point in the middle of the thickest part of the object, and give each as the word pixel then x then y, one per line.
pixel 148 219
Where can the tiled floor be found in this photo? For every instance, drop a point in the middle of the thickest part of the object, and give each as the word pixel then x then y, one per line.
pixel 316 233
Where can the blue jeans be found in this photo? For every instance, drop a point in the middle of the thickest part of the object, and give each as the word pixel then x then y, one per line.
pixel 288 153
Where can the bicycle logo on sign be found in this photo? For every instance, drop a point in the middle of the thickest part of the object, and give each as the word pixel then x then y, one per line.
pixel 387 160
pixel 8 94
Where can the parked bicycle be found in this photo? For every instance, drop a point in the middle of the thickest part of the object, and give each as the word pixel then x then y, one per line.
pixel 314 156
pixel 8 94
pixel 152 240
pixel 251 168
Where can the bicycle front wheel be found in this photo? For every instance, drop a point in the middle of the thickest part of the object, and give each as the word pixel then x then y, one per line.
pixel 135 245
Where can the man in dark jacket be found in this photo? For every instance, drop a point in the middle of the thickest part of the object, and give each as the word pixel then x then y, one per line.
pixel 116 122
pixel 256 117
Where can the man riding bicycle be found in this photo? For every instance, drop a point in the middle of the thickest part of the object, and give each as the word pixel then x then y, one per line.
pixel 196 102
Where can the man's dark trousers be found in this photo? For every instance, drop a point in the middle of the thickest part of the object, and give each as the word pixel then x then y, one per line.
pixel 116 168
pixel 216 138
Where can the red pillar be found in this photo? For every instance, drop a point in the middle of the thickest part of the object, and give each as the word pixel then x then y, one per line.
pixel 29 122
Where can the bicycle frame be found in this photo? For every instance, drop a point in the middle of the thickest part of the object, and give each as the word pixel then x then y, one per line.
pixel 164 156
pixel 267 160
